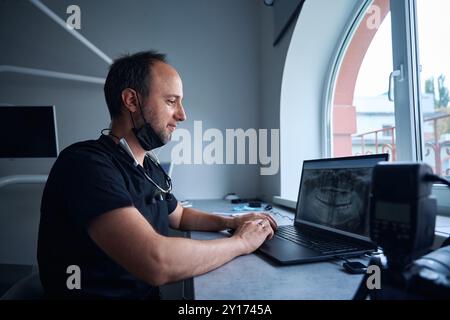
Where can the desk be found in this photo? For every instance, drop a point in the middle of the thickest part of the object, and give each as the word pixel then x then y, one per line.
pixel 254 276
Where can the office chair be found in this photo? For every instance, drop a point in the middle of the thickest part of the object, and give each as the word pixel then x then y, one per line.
pixel 28 288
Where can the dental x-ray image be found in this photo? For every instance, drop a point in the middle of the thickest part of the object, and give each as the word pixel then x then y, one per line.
pixel 336 198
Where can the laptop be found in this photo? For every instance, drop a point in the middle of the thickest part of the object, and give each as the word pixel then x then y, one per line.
pixel 332 215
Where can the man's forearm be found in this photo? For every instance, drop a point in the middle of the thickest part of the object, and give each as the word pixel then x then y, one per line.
pixel 190 258
pixel 193 219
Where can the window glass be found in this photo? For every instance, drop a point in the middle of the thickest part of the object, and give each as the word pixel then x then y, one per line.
pixel 434 52
pixel 363 116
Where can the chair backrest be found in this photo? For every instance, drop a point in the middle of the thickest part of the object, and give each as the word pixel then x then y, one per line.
pixel 28 288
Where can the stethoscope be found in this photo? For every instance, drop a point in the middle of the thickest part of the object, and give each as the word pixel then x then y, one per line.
pixel 159 190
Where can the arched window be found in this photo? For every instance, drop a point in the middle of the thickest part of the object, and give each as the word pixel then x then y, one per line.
pixel 376 95
pixel 363 118
pixel 366 119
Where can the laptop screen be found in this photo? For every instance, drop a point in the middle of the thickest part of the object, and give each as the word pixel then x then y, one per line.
pixel 334 193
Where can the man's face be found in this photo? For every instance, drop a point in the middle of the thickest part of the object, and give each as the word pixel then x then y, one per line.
pixel 163 108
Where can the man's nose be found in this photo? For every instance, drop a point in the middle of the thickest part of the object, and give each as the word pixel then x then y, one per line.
pixel 181 115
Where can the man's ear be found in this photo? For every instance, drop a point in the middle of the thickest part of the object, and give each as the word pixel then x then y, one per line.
pixel 129 99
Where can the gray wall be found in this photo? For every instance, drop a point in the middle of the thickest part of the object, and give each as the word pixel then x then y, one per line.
pixel 213 44
pixel 222 50
pixel 272 64
pixel 305 79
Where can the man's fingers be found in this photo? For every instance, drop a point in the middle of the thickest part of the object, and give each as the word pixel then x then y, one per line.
pixel 270 233
pixel 267 228
pixel 259 221
pixel 272 221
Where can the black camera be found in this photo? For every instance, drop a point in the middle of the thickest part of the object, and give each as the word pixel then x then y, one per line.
pixel 402 223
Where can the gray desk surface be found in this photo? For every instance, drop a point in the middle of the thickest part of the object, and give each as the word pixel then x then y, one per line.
pixel 253 276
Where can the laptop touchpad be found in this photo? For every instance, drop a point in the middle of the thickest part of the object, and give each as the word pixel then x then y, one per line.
pixel 286 251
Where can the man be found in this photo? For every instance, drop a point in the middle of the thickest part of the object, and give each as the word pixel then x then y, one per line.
pixel 106 207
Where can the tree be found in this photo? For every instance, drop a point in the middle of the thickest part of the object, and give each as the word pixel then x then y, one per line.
pixel 429 85
pixel 443 92
pixel 429 89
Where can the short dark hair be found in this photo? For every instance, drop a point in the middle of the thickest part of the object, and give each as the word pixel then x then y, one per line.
pixel 129 71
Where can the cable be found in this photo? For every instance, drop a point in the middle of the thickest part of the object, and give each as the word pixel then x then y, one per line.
pixel 375 253
pixel 270 209
pixel 436 261
pixel 109 133
pixel 281 215
pixel 342 258
pixel 435 178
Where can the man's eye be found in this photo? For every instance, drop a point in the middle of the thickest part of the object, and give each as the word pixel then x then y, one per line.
pixel 171 101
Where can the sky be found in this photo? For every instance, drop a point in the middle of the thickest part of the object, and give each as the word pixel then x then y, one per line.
pixel 434 49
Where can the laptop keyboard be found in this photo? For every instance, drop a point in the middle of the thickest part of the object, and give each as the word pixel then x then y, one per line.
pixel 315 241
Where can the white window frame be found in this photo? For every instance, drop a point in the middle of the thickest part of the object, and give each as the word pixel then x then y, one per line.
pixel 343 44
pixel 408 121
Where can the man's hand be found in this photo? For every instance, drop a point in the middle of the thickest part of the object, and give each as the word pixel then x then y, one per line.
pixel 240 220
pixel 254 233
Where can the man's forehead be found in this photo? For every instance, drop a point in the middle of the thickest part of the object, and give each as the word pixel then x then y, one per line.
pixel 164 71
pixel 165 76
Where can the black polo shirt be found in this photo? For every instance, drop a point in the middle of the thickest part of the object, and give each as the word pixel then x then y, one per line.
pixel 87 180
